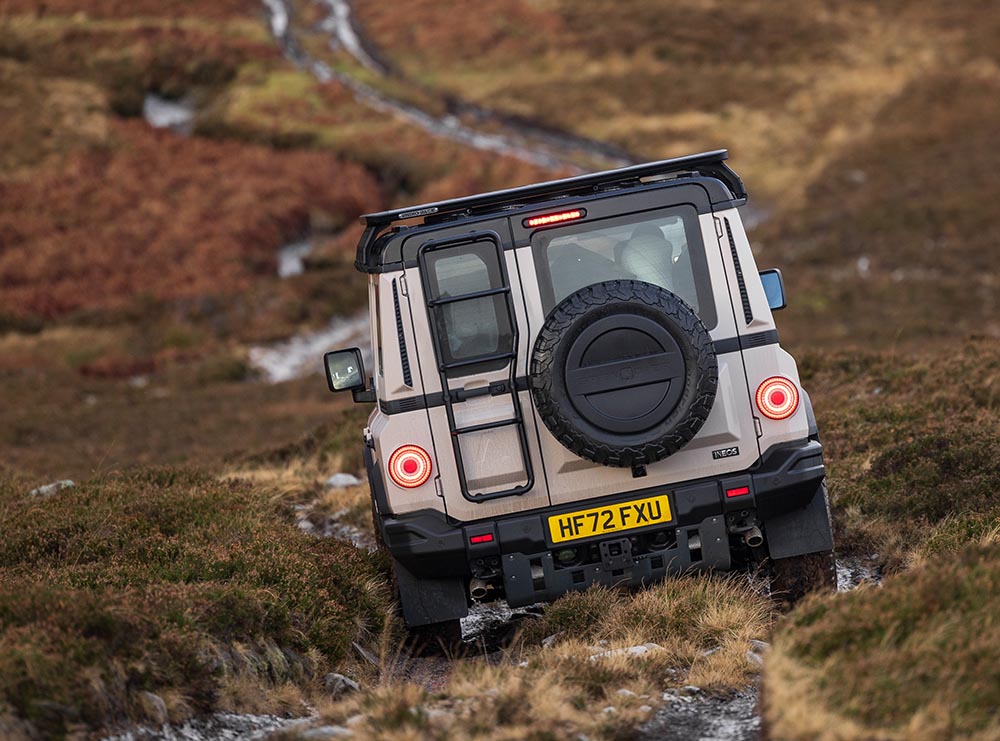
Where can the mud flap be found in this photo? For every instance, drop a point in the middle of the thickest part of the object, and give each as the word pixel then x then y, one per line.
pixel 426 601
pixel 801 531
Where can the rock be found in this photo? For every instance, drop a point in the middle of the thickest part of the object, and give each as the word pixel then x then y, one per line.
pixel 154 708
pixel 323 732
pixel 675 696
pixel 645 709
pixel 688 690
pixel 342 481
pixel 710 651
pixel 640 650
pixel 759 647
pixel 550 640
pixel 609 710
pixel 49 489
pixel 754 658
pixel 355 719
pixel 338 685
pixel 625 693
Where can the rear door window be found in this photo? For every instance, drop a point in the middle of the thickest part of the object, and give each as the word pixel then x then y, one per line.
pixel 662 247
pixel 477 327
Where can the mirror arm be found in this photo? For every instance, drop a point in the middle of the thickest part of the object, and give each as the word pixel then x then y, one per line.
pixel 365 395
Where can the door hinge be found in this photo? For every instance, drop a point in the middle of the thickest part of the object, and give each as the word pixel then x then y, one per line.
pixel 438 488
pixel 757 427
pixel 402 285
pixel 718 226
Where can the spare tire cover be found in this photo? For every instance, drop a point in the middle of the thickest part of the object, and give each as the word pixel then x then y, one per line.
pixel 623 373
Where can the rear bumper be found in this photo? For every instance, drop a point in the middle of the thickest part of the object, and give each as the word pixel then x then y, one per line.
pixel 784 479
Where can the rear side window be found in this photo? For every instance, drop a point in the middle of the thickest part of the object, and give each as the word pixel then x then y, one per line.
pixel 473 328
pixel 662 247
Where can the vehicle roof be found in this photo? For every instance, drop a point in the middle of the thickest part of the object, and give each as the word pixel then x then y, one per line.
pixel 710 164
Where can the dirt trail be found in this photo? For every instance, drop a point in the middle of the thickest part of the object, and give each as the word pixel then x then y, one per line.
pixel 516 138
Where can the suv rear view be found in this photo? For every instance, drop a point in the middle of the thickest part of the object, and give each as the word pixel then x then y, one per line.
pixel 580 382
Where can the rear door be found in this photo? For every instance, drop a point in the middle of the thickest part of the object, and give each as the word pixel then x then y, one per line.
pixel 662 239
pixel 478 405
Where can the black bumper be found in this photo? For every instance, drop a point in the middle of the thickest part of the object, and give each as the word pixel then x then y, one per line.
pixel 785 479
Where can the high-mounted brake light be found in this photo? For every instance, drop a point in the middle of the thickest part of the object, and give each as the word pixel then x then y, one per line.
pixel 556 218
pixel 739 491
pixel 409 466
pixel 485 538
pixel 777 398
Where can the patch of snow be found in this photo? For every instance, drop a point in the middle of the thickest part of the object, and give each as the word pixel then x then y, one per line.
pixel 864 266
pixel 340 24
pixel 290 260
pixel 278 17
pixel 161 113
pixel 342 481
pixel 49 489
pixel 302 355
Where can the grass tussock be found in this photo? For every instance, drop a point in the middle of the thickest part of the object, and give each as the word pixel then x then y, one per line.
pixel 914 659
pixel 174 583
pixel 911 447
pixel 701 627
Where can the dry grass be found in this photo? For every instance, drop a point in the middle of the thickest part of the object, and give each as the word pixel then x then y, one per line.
pixel 701 627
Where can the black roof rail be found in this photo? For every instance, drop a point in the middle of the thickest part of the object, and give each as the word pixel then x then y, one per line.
pixel 710 164
pixel 707 164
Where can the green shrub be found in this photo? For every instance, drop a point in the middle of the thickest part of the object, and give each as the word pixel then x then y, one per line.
pixel 918 656
pixel 155 581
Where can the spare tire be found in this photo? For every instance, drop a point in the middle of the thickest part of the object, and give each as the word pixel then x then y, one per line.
pixel 623 373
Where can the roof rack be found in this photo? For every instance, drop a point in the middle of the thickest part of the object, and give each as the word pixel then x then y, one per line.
pixel 710 164
pixel 706 164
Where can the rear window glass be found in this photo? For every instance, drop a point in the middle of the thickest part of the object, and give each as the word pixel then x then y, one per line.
pixel 475 327
pixel 661 247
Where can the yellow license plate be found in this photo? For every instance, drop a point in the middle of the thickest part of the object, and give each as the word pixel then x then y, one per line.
pixel 612 518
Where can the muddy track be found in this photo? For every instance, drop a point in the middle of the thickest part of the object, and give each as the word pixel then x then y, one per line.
pixel 463 122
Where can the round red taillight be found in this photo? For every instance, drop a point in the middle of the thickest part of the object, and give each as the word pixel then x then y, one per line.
pixel 777 398
pixel 409 466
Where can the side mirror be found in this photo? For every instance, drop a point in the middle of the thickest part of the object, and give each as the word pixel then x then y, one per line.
pixel 345 370
pixel 774 288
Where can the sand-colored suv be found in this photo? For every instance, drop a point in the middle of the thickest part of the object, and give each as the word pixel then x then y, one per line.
pixel 580 382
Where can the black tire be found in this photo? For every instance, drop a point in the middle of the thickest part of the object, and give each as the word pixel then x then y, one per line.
pixel 634 328
pixel 793 578
pixel 437 639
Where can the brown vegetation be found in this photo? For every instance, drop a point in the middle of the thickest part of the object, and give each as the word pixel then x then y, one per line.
pixel 912 446
pixel 172 583
pixel 914 659
pixel 134 265
pixel 161 218
pixel 696 630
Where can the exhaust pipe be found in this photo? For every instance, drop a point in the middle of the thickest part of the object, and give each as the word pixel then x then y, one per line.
pixel 753 537
pixel 478 588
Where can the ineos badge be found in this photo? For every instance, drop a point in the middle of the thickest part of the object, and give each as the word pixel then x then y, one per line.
pixel 725 453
